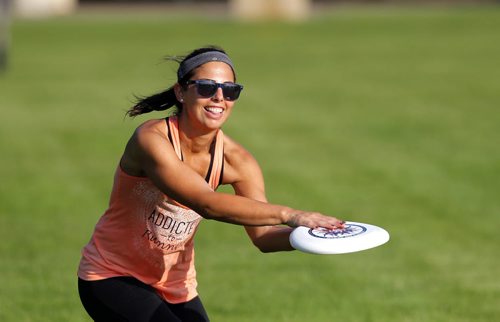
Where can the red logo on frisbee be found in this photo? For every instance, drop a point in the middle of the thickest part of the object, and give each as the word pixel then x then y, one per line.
pixel 349 230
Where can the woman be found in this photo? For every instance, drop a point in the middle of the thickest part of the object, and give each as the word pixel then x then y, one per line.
pixel 139 263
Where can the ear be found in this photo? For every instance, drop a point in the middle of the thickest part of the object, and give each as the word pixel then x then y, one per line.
pixel 178 92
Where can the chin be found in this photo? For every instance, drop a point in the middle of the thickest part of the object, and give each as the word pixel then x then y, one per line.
pixel 214 124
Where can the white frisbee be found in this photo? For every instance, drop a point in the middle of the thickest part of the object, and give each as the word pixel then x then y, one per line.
pixel 354 237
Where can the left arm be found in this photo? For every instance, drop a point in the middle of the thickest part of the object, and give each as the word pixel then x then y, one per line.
pixel 244 174
pixel 265 238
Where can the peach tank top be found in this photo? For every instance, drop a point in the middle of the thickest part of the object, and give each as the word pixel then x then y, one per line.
pixel 147 235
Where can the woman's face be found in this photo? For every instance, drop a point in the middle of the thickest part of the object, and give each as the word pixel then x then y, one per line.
pixel 208 113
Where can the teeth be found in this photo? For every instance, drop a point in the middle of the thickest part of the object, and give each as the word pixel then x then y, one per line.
pixel 215 109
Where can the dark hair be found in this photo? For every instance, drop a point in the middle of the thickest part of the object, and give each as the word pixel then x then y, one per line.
pixel 164 100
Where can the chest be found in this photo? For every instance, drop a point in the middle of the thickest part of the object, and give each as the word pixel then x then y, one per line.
pixel 199 162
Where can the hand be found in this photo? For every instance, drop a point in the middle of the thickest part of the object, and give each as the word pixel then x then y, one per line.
pixel 314 220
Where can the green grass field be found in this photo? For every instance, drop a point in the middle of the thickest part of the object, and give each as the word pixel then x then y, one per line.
pixel 389 117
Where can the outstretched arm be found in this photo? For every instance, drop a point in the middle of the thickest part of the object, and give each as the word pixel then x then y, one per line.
pixel 244 174
pixel 150 151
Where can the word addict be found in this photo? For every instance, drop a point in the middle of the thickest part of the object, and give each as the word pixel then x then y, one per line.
pixel 171 225
pixel 171 231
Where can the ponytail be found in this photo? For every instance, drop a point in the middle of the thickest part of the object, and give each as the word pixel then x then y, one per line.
pixel 156 102
pixel 166 99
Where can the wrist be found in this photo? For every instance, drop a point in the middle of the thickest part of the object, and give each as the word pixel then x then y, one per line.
pixel 288 217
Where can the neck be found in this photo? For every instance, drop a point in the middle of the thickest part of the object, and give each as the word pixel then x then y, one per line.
pixel 193 139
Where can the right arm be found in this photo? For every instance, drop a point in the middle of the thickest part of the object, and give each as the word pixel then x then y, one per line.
pixel 150 152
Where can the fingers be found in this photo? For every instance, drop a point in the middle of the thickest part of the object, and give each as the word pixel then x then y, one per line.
pixel 332 223
pixel 315 220
pixel 340 223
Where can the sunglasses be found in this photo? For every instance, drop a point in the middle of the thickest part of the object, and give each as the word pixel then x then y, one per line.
pixel 207 88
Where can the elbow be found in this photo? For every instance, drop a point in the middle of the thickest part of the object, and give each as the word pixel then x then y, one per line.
pixel 205 208
pixel 263 249
pixel 262 246
pixel 274 239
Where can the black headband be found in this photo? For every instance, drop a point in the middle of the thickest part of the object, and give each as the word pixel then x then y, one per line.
pixel 198 60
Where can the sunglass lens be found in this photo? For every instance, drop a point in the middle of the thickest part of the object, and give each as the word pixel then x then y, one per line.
pixel 206 89
pixel 231 91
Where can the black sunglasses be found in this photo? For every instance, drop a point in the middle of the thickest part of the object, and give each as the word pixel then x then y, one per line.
pixel 207 88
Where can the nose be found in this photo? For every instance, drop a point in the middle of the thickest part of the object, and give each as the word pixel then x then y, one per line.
pixel 218 96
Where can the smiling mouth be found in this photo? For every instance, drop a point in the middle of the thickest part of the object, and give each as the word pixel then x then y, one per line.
pixel 214 110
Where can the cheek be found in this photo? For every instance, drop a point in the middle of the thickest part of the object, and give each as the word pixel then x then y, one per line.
pixel 192 100
pixel 229 105
pixel 190 96
pixel 229 109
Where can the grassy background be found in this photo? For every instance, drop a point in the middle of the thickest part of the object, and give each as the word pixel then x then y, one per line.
pixel 382 116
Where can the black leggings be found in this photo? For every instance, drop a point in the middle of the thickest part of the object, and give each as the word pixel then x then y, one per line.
pixel 127 299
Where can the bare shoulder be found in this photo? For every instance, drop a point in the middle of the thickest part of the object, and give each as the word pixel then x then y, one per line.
pixel 239 163
pixel 235 154
pixel 148 133
pixel 144 141
pixel 151 127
